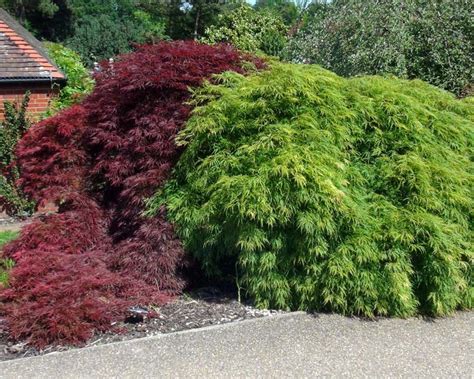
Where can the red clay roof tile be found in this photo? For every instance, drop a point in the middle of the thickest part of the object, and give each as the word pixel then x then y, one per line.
pixel 21 55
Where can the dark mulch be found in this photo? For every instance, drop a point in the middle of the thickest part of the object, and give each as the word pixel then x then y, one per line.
pixel 204 307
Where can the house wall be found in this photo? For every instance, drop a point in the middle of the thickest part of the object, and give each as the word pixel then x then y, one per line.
pixel 40 98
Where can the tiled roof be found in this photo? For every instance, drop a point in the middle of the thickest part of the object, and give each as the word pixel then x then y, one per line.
pixel 21 55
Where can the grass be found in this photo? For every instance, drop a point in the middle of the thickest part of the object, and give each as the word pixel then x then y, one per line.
pixel 6 264
pixel 7 236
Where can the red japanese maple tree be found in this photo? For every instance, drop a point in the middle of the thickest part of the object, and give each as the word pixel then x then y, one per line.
pixel 80 269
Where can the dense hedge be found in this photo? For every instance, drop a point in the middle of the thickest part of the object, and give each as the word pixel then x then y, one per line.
pixel 324 193
pixel 432 40
pixel 80 269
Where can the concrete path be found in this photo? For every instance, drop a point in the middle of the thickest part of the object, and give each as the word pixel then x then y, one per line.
pixel 14 226
pixel 295 345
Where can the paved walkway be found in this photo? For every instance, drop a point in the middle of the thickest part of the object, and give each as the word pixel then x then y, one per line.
pixel 13 227
pixel 295 345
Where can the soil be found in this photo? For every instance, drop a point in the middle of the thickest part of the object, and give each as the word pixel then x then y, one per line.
pixel 204 307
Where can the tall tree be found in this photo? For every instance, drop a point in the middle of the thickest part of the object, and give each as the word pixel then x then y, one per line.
pixel 188 19
pixel 21 8
pixel 48 19
pixel 287 9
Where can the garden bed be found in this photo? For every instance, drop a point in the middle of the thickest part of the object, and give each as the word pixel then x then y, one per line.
pixel 205 307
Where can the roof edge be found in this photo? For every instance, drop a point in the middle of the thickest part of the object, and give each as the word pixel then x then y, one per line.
pixel 33 80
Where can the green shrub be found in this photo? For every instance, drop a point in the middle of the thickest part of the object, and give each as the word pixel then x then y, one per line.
pixel 324 193
pixel 79 81
pixel 430 40
pixel 15 125
pixel 249 30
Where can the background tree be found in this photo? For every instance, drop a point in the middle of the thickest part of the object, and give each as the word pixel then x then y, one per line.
pixel 24 8
pixel 95 29
pixel 48 19
pixel 250 30
pixel 443 48
pixel 105 29
pixel 189 19
pixel 287 9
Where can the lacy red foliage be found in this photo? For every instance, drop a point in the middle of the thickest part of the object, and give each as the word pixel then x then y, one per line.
pixel 61 288
pixel 134 114
pixel 51 156
pixel 80 269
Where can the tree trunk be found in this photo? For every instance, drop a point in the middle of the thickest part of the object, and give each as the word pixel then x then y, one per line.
pixel 196 24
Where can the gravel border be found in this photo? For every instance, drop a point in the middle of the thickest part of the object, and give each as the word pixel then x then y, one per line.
pixel 204 307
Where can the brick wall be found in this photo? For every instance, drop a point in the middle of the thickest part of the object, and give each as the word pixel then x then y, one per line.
pixel 41 95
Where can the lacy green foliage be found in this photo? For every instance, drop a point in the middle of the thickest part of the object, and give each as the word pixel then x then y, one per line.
pixel 79 82
pixel 15 125
pixel 6 264
pixel 346 195
pixel 425 39
pixel 249 30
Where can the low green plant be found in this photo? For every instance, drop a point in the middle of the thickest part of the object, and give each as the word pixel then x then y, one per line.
pixel 346 195
pixel 15 125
